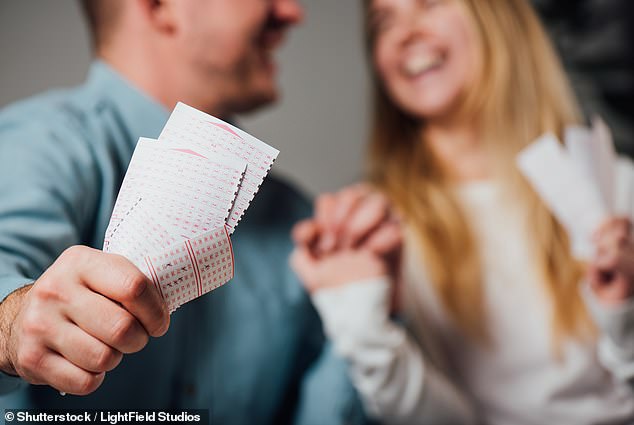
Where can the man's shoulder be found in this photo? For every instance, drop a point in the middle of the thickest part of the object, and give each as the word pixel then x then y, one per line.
pixel 48 139
pixel 51 111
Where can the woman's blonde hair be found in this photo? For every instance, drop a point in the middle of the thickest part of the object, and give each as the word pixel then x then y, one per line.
pixel 522 92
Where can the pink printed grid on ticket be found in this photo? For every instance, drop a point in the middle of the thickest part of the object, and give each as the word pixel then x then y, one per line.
pixel 209 134
pixel 195 193
pixel 181 198
pixel 192 268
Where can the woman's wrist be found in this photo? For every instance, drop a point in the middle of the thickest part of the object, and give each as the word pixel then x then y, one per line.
pixel 356 308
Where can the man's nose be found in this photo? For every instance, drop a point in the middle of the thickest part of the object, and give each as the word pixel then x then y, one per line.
pixel 289 12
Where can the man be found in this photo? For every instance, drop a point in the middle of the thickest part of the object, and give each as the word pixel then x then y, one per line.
pixel 83 322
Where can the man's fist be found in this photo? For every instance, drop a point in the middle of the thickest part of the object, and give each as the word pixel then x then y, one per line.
pixel 78 319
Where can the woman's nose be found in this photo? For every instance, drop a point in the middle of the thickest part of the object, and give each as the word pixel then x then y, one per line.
pixel 412 27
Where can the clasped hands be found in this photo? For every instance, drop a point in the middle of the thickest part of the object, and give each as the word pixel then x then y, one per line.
pixel 356 235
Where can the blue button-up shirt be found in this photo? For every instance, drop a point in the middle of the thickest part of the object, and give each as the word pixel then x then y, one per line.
pixel 252 352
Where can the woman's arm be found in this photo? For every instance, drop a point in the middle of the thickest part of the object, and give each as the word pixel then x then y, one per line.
pixel 343 257
pixel 616 341
pixel 396 383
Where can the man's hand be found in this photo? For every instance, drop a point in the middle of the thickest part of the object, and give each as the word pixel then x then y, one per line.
pixel 611 273
pixel 78 319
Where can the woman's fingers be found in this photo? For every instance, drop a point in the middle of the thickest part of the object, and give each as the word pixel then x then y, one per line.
pixel 355 217
pixel 610 288
pixel 368 216
pixel 611 228
pixel 386 240
pixel 306 232
pixel 615 250
pixel 325 207
pixel 611 274
pixel 304 265
pixel 348 200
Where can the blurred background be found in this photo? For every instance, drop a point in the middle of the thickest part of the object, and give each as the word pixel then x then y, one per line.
pixel 320 124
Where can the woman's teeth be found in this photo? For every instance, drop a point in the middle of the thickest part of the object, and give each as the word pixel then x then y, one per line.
pixel 420 64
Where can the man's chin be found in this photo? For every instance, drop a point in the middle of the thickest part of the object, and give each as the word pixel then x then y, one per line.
pixel 254 101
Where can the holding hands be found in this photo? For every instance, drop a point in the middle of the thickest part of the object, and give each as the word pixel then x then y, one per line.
pixel 353 236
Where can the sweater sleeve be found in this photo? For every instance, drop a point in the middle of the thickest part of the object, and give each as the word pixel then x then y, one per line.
pixel 396 383
pixel 616 340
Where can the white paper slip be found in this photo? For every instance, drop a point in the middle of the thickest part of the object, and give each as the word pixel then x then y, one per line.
pixel 606 160
pixel 204 133
pixel 191 268
pixel 578 142
pixel 139 233
pixel 593 150
pixel 181 198
pixel 193 193
pixel 571 192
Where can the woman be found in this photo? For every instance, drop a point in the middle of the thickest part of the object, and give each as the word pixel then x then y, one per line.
pixel 497 324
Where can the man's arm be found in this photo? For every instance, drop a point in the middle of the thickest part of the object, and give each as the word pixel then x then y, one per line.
pixel 327 393
pixel 8 311
pixel 85 308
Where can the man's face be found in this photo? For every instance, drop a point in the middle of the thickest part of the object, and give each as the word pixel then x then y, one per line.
pixel 227 48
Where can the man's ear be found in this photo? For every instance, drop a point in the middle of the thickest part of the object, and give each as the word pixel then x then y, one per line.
pixel 161 14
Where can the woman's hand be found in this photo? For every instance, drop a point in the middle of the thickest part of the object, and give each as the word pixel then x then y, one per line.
pixel 354 217
pixel 336 269
pixel 611 274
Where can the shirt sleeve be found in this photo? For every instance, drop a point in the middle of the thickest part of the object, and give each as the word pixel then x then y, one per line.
pixel 396 383
pixel 328 395
pixel 46 194
pixel 9 383
pixel 43 201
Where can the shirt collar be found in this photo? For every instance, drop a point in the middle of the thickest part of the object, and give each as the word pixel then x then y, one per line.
pixel 142 115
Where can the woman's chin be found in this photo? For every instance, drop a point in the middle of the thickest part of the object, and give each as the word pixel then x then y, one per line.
pixel 430 111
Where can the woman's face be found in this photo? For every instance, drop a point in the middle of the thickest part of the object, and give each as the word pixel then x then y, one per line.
pixel 426 54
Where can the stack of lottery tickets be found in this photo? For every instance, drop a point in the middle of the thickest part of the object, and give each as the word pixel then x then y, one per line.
pixel 576 179
pixel 182 197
